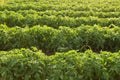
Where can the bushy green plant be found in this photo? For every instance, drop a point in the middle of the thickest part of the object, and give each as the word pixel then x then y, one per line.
pixel 25 64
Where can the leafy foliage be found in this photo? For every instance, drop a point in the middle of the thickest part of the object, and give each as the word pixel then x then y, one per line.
pixel 51 40
pixel 59 27
pixel 25 64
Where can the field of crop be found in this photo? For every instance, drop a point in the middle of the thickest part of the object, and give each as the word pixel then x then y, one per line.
pixel 59 39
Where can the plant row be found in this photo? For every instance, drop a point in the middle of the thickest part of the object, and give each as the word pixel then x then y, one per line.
pixel 66 5
pixel 69 13
pixel 16 19
pixel 51 40
pixel 25 64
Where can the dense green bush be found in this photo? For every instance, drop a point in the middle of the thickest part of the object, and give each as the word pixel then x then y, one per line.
pixel 25 64
pixel 51 40
pixel 15 19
